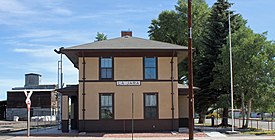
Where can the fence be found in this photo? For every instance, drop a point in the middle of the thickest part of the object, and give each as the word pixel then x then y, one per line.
pixel 43 119
pixel 255 123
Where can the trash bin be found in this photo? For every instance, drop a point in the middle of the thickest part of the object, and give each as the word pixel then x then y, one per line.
pixel 15 118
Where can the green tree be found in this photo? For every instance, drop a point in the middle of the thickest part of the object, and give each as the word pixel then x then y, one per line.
pixel 214 39
pixel 254 70
pixel 253 61
pixel 171 27
pixel 100 37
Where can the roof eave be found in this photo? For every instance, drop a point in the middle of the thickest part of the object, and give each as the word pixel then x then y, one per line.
pixel 73 54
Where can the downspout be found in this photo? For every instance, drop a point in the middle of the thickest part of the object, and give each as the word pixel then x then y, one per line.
pixel 172 91
pixel 83 90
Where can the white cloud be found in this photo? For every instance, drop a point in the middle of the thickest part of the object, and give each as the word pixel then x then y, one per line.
pixel 22 13
pixel 48 53
pixel 26 44
pixel 13 6
pixel 45 66
pixel 121 11
pixel 62 11
pixel 33 49
pixel 44 36
pixel 66 38
pixel 40 33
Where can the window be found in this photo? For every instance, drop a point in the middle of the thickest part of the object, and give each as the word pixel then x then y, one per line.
pixel 106 106
pixel 106 68
pixel 150 106
pixel 150 68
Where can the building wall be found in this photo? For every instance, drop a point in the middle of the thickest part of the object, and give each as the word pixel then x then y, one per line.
pixel 164 68
pixel 38 99
pixel 183 106
pixel 183 111
pixel 65 107
pixel 128 68
pixel 123 99
pixel 22 113
pixel 92 68
pixel 65 114
pixel 41 104
pixel 3 106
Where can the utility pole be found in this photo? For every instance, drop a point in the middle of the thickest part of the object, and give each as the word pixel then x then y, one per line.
pixel 190 74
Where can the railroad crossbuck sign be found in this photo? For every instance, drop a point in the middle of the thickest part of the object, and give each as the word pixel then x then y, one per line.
pixel 28 100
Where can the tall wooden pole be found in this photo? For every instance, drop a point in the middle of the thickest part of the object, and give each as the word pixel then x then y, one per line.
pixel 190 74
pixel 132 116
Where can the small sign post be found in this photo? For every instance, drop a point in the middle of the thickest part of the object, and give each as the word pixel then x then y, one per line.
pixel 28 103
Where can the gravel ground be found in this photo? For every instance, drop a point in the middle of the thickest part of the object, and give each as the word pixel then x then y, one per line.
pixel 7 126
pixel 13 126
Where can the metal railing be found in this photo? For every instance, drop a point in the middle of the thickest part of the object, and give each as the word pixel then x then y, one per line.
pixel 256 123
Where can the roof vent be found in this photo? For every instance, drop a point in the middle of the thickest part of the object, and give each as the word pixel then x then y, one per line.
pixel 126 33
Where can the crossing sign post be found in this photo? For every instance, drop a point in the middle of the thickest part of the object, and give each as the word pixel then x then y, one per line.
pixel 28 103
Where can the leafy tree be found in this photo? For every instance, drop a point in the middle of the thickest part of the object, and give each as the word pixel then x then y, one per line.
pixel 254 70
pixel 253 61
pixel 171 27
pixel 211 60
pixel 100 37
pixel 165 28
pixel 214 39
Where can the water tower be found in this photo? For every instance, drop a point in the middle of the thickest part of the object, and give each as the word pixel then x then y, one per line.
pixel 32 79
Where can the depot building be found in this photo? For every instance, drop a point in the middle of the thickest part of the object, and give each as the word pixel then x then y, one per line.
pixel 125 82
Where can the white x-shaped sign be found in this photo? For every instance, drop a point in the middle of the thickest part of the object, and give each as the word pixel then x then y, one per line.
pixel 28 95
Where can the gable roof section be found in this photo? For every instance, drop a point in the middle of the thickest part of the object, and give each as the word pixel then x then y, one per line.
pixel 125 44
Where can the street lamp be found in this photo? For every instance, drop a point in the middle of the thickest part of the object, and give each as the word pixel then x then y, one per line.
pixel 59 84
pixel 60 66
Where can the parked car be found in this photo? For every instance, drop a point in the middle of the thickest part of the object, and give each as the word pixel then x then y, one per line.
pixel 215 114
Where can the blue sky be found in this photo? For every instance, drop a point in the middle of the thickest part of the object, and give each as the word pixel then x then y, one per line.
pixel 31 29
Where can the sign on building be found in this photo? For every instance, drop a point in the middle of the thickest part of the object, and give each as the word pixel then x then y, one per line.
pixel 128 83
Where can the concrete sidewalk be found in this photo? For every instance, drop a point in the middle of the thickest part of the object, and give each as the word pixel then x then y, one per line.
pixel 54 133
pixel 159 138
pixel 46 131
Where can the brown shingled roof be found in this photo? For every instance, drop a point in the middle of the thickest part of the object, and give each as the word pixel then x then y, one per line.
pixel 128 42
pixel 125 44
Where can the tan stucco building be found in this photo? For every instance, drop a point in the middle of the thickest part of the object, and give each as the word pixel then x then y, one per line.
pixel 125 82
